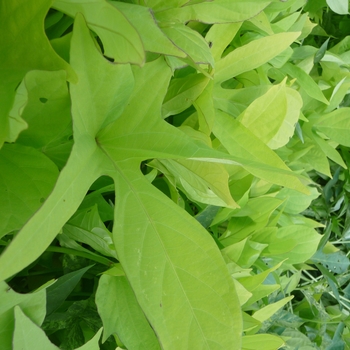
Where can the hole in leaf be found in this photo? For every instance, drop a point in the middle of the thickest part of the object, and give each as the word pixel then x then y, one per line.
pixel 43 99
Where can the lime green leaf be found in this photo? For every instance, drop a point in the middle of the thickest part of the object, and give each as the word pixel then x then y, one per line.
pixel 265 116
pixel 205 109
pixel 120 39
pixel 297 243
pixel 252 55
pixel 261 342
pixel 87 227
pixel 219 36
pixel 336 125
pixel 286 131
pixel 219 11
pixel 83 167
pixel 28 335
pixel 182 92
pixel 239 141
pixel 32 304
pixel 339 6
pixel 48 110
pixel 24 23
pixel 57 293
pixel 172 284
pixel 160 5
pixel 122 315
pixel 153 39
pixel 305 81
pixel 266 312
pixel 26 180
pixel 296 202
pixel 191 42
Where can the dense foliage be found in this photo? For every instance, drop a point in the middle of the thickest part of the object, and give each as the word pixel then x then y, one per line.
pixel 174 174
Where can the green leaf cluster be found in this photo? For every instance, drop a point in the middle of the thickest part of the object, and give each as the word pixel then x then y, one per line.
pixel 163 173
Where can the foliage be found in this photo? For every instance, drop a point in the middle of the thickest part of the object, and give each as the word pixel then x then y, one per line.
pixel 188 188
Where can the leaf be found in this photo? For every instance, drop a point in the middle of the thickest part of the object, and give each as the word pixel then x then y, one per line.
pixel 120 39
pixel 203 182
pixel 190 42
pixel 335 125
pixel 122 315
pixel 297 243
pixel 87 227
pixel 182 92
pixel 220 35
pixel 336 262
pixel 252 55
pixel 286 131
pixel 261 342
pixel 305 81
pixel 171 261
pixel 92 344
pixel 26 38
pixel 48 109
pixel 339 6
pixel 242 143
pixel 296 202
pixel 266 312
pixel 219 11
pixel 57 293
pixel 27 178
pixel 28 335
pixel 153 39
pixel 32 304
pixel 265 116
pixel 47 113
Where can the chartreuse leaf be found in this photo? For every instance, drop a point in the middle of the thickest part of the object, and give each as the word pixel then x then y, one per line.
pixel 32 304
pixel 252 55
pixel 305 82
pixel 47 114
pixel 241 142
pixel 174 267
pixel 159 5
pixel 148 238
pixel 265 116
pixel 201 181
pixel 120 39
pixel 25 48
pixel 153 39
pixel 182 92
pixel 266 312
pixel 121 314
pixel 219 11
pixel 191 42
pixel 297 243
pixel 335 125
pixel 28 335
pixel 97 78
pixel 219 36
pixel 48 109
pixel 87 227
pixel 205 109
pixel 261 342
pixel 27 177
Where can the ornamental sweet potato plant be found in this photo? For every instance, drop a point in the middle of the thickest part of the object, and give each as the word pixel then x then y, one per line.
pixel 174 174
